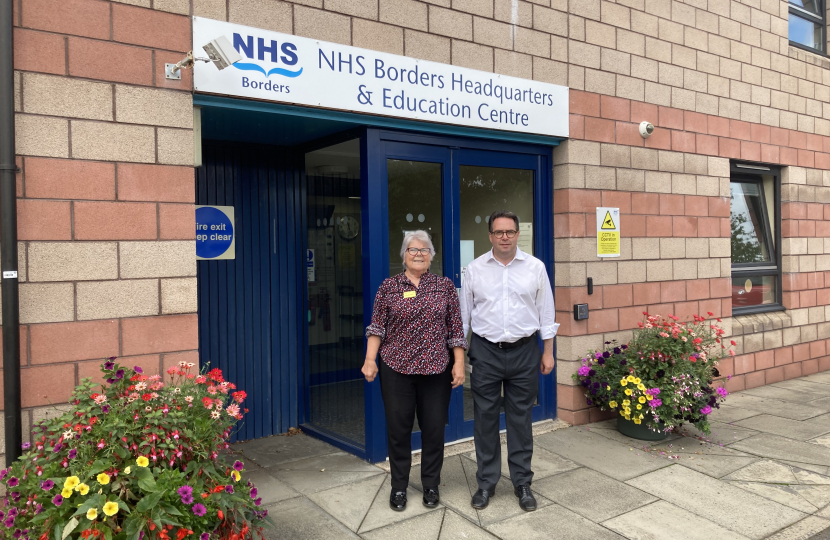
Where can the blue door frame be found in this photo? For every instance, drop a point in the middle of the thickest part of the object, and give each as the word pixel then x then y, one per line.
pixel 376 147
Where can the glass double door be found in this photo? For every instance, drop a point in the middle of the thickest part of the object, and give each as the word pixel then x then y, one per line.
pixel 450 193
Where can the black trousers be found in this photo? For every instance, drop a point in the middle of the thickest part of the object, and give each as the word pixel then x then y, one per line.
pixel 517 370
pixel 404 396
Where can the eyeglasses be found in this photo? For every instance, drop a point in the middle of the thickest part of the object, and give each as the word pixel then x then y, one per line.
pixel 415 251
pixel 500 234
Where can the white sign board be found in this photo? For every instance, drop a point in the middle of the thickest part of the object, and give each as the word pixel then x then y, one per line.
pixel 292 69
pixel 608 232
pixel 311 266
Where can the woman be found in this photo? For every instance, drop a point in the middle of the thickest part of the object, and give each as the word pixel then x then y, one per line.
pixel 416 321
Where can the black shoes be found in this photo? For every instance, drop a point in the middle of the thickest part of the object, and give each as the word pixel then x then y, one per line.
pixel 397 500
pixel 526 499
pixel 482 498
pixel 431 497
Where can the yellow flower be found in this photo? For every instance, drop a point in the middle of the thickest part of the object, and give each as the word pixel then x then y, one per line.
pixel 626 403
pixel 612 404
pixel 649 397
pixel 83 489
pixel 628 391
pixel 607 387
pixel 236 475
pixel 623 382
pixel 641 387
pixel 71 482
pixel 127 470
pixel 639 407
pixel 641 417
pixel 91 514
pixel 103 479
pixel 142 461
pixel 636 380
pixel 66 492
pixel 111 508
pixel 637 421
pixel 641 399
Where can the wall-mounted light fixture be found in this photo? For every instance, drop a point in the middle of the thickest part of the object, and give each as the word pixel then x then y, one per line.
pixel 220 52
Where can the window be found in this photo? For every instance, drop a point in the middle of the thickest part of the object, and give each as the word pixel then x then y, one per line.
pixel 755 237
pixel 806 27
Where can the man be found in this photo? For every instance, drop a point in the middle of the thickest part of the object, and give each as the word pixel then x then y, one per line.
pixel 506 299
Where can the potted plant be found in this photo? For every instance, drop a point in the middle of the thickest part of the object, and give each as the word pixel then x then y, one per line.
pixel 663 378
pixel 135 459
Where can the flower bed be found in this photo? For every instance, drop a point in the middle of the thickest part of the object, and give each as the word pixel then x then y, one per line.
pixel 663 377
pixel 135 458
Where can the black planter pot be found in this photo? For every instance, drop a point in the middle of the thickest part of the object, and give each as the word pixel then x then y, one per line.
pixel 641 431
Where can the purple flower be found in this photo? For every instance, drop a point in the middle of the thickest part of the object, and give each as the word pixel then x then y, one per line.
pixel 4 474
pixel 57 448
pixel 9 523
pixel 187 499
pixel 105 409
pixel 109 364
pixel 722 392
pixel 47 485
pixel 58 500
pixel 185 490
pixel 138 369
pixel 656 402
pixel 617 350
pixel 258 501
pixel 205 536
pixel 591 373
pixel 16 497
pixel 601 361
pixel 2 515
pixel 623 347
pixel 17 533
pixel 606 354
pixel 26 446
pixel 38 508
pixel 706 410
pixel 583 371
pixel 253 493
pixel 238 465
pixel 13 481
pixel 119 374
pixel 199 509
pixel 229 489
pixel 623 362
pixel 72 454
pixel 110 380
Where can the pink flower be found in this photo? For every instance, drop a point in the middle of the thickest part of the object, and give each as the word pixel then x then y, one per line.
pixel 706 410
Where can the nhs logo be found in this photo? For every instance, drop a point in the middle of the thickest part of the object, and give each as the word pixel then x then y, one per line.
pixel 269 51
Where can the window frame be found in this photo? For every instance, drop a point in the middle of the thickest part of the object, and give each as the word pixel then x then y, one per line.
pixel 752 173
pixel 812 17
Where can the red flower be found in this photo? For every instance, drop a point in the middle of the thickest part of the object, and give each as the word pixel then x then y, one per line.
pixel 146 397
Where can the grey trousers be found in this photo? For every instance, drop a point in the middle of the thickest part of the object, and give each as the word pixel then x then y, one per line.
pixel 517 370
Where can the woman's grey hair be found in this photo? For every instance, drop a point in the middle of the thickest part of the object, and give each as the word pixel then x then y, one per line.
pixel 421 235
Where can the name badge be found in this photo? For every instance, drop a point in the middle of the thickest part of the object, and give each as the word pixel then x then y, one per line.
pixel 409 294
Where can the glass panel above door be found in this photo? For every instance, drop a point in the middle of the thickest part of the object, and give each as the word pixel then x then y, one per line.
pixel 414 203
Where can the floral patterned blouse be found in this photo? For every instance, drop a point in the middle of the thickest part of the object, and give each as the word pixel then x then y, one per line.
pixel 417 325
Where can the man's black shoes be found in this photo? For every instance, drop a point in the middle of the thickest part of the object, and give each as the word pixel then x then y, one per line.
pixel 482 498
pixel 526 499
pixel 431 497
pixel 397 500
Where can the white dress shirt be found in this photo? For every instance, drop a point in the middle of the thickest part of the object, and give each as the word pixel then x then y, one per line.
pixel 504 303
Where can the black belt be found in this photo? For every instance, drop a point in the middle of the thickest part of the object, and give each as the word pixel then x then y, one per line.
pixel 508 345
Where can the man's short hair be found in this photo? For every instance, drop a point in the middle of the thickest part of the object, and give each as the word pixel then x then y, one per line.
pixel 502 213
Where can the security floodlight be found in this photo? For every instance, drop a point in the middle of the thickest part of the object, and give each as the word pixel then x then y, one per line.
pixel 220 52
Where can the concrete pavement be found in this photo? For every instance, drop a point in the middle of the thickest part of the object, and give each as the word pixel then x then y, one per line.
pixel 764 472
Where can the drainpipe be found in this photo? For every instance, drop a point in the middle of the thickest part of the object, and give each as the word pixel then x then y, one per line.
pixel 8 239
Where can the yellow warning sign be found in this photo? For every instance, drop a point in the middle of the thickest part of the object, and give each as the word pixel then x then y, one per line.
pixel 608 222
pixel 608 243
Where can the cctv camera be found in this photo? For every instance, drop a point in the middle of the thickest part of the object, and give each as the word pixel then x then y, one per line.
pixel 222 53
pixel 646 129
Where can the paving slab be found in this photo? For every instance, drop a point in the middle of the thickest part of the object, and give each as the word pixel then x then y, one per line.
pixel 615 435
pixel 804 386
pixel 825 512
pixel 824 440
pixel 787 409
pixel 807 473
pixel 662 520
pixel 543 464
pixel 592 495
pixel 691 445
pixel 719 433
pixel 454 490
pixel 599 453
pixel 456 527
pixel 278 449
pixel 551 522
pixel 714 465
pixel 782 494
pixel 349 503
pixel 380 515
pixel 822 378
pixel 786 427
pixel 324 472
pixel 817 495
pixel 423 527
pixel 777 447
pixel 767 471
pixel 269 488
pixel 728 414
pixel 301 518
pixel 803 530
pixel 823 403
pixel 729 506
pixel 777 392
